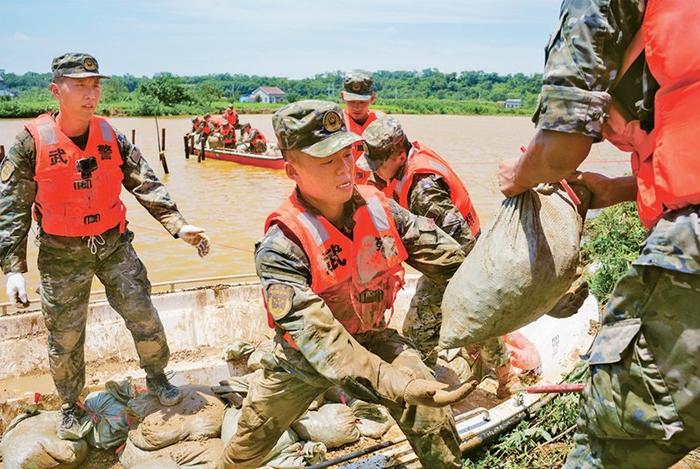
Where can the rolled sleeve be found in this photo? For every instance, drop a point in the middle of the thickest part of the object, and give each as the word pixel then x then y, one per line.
pixel 572 110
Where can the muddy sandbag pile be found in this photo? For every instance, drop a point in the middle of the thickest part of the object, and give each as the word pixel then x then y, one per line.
pixel 332 424
pixel 186 433
pixel 519 268
pixel 30 441
pixel 204 454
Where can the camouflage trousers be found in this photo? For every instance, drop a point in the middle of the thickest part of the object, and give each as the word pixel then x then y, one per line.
pixel 284 393
pixel 67 267
pixel 422 327
pixel 641 408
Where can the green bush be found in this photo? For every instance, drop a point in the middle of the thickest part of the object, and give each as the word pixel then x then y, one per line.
pixel 611 243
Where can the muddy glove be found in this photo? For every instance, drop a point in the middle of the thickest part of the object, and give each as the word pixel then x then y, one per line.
pixel 17 289
pixel 432 393
pixel 571 302
pixel 196 237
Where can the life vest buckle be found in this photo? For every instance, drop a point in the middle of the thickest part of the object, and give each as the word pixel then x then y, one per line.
pixel 91 219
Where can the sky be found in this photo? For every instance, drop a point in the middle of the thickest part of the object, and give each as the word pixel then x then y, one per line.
pixel 290 38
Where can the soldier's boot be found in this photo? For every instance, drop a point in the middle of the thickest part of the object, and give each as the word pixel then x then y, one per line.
pixel 159 386
pixel 68 427
pixel 508 381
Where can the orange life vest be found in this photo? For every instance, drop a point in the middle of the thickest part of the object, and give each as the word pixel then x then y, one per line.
pixel 228 135
pixel 205 126
pixel 423 160
pixel 358 148
pixel 69 203
pixel 231 117
pixel 358 278
pixel 665 161
pixel 258 137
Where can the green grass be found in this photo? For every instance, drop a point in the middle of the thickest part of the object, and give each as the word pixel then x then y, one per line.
pixel 131 105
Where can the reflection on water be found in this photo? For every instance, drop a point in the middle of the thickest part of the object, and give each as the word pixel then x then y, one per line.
pixel 231 201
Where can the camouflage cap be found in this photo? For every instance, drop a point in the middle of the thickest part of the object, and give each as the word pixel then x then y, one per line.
pixel 383 137
pixel 314 127
pixel 357 86
pixel 76 65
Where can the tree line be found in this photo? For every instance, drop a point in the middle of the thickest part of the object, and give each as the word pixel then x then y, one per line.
pixel 425 91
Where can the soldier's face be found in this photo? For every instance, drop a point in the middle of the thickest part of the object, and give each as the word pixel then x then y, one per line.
pixel 359 110
pixel 391 166
pixel 325 181
pixel 77 97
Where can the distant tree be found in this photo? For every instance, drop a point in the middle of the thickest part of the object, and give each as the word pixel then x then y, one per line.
pixel 208 91
pixel 114 89
pixel 167 89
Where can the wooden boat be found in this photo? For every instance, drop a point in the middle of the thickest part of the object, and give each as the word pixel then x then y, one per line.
pixel 210 313
pixel 272 159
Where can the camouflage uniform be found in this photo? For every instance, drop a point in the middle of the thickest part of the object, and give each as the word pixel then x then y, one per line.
pixel 375 366
pixel 67 265
pixel 642 405
pixel 430 197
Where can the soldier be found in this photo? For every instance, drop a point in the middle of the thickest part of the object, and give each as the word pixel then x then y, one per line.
pixel 68 168
pixel 330 266
pixel 253 140
pixel 425 184
pixel 358 95
pixel 629 81
pixel 206 128
pixel 228 135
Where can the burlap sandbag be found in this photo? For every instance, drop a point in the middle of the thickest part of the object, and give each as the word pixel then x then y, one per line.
pixel 519 268
pixel 333 425
pixel 31 442
pixel 203 454
pixel 199 415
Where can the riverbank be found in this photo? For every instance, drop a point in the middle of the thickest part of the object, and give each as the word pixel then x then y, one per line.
pixel 136 107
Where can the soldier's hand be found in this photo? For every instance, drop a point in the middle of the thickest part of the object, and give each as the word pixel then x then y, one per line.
pixel 196 237
pixel 507 170
pixel 17 289
pixel 432 393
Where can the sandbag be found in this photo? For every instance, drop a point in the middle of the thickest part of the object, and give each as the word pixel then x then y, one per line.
pixel 373 420
pixel 520 267
pixel 299 455
pixel 333 425
pixel 202 454
pixel 30 441
pixel 199 415
pixel 230 425
pixel 108 415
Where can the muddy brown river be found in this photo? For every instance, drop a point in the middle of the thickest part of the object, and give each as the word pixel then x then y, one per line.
pixel 231 201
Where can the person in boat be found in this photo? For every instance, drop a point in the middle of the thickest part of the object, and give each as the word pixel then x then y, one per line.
pixel 231 117
pixel 330 263
pixel 67 169
pixel 252 140
pixel 227 134
pixel 195 124
pixel 632 79
pixel 206 128
pixel 358 94
pixel 422 182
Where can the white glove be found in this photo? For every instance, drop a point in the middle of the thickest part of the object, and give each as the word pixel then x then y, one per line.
pixel 17 288
pixel 196 237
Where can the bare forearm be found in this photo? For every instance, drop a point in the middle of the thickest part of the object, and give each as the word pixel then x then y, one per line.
pixel 551 156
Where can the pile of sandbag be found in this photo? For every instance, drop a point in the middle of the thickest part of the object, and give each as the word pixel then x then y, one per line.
pixel 520 267
pixel 186 434
pixel 108 418
pixel 30 441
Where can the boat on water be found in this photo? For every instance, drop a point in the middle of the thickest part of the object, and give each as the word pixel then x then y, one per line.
pixel 202 316
pixel 271 159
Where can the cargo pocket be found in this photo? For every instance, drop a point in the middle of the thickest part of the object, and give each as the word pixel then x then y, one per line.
pixel 627 396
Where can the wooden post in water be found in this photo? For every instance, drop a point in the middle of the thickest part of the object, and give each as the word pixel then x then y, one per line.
pixel 133 136
pixel 2 152
pixel 186 140
pixel 201 156
pixel 163 161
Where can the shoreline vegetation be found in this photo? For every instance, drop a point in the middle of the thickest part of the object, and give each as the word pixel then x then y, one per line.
pixel 426 92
